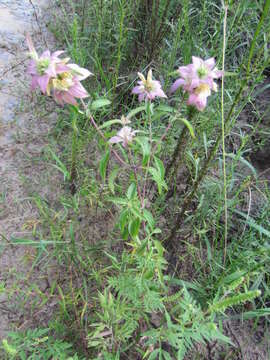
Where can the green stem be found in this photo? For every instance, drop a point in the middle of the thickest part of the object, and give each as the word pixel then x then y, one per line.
pixel 120 42
pixel 179 151
pixel 148 111
pixel 223 136
pixel 74 148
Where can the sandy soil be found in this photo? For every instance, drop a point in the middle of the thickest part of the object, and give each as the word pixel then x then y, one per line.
pixel 23 135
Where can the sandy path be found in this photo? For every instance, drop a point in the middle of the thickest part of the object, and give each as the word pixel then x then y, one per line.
pixel 20 134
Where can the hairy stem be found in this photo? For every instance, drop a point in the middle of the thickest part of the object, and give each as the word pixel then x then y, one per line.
pixel 178 154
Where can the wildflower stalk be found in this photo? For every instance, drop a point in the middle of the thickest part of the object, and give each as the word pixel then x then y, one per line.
pixel 168 242
pixel 134 168
pixel 74 148
pixel 178 154
pixel 148 111
pixel 223 135
pixel 120 42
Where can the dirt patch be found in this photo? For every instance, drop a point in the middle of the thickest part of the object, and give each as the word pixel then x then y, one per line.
pixel 23 136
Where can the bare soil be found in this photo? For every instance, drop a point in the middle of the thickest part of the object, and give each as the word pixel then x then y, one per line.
pixel 23 136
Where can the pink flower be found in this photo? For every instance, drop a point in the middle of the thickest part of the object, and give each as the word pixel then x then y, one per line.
pixel 198 80
pixel 198 97
pixel 56 76
pixel 125 136
pixel 66 87
pixel 148 89
pixel 43 68
pixel 199 72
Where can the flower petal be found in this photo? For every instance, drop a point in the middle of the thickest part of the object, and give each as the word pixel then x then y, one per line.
pixel 78 91
pixel 43 82
pixel 141 97
pixel 210 63
pixel 137 89
pixel 160 93
pixel 177 84
pixel 115 139
pixel 80 72
pixel 68 98
pixel 197 62
pixel 140 75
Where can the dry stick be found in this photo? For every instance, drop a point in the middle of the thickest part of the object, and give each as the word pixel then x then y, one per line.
pixel 38 24
pixel 13 67
pixel 189 197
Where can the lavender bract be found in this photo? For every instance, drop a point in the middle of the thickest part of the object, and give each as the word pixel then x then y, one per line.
pixel 148 89
pixel 124 136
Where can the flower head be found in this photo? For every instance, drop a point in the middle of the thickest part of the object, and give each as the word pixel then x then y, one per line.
pixel 148 89
pixel 196 73
pixel 66 86
pixel 197 79
pixel 55 76
pixel 44 67
pixel 125 136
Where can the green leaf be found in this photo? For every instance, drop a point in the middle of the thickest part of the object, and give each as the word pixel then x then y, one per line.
pixel 146 148
pixel 149 218
pixel 131 192
pixel 252 314
pixel 103 165
pixel 123 218
pixel 159 247
pixel 165 108
pixel 100 103
pixel 60 165
pixel 222 305
pixel 244 162
pixel 188 125
pixel 110 123
pixel 112 177
pixel 141 249
pixel 134 227
pixel 135 111
pixel 160 167
pixel 158 175
pixel 154 354
pixel 166 355
pixel 119 201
